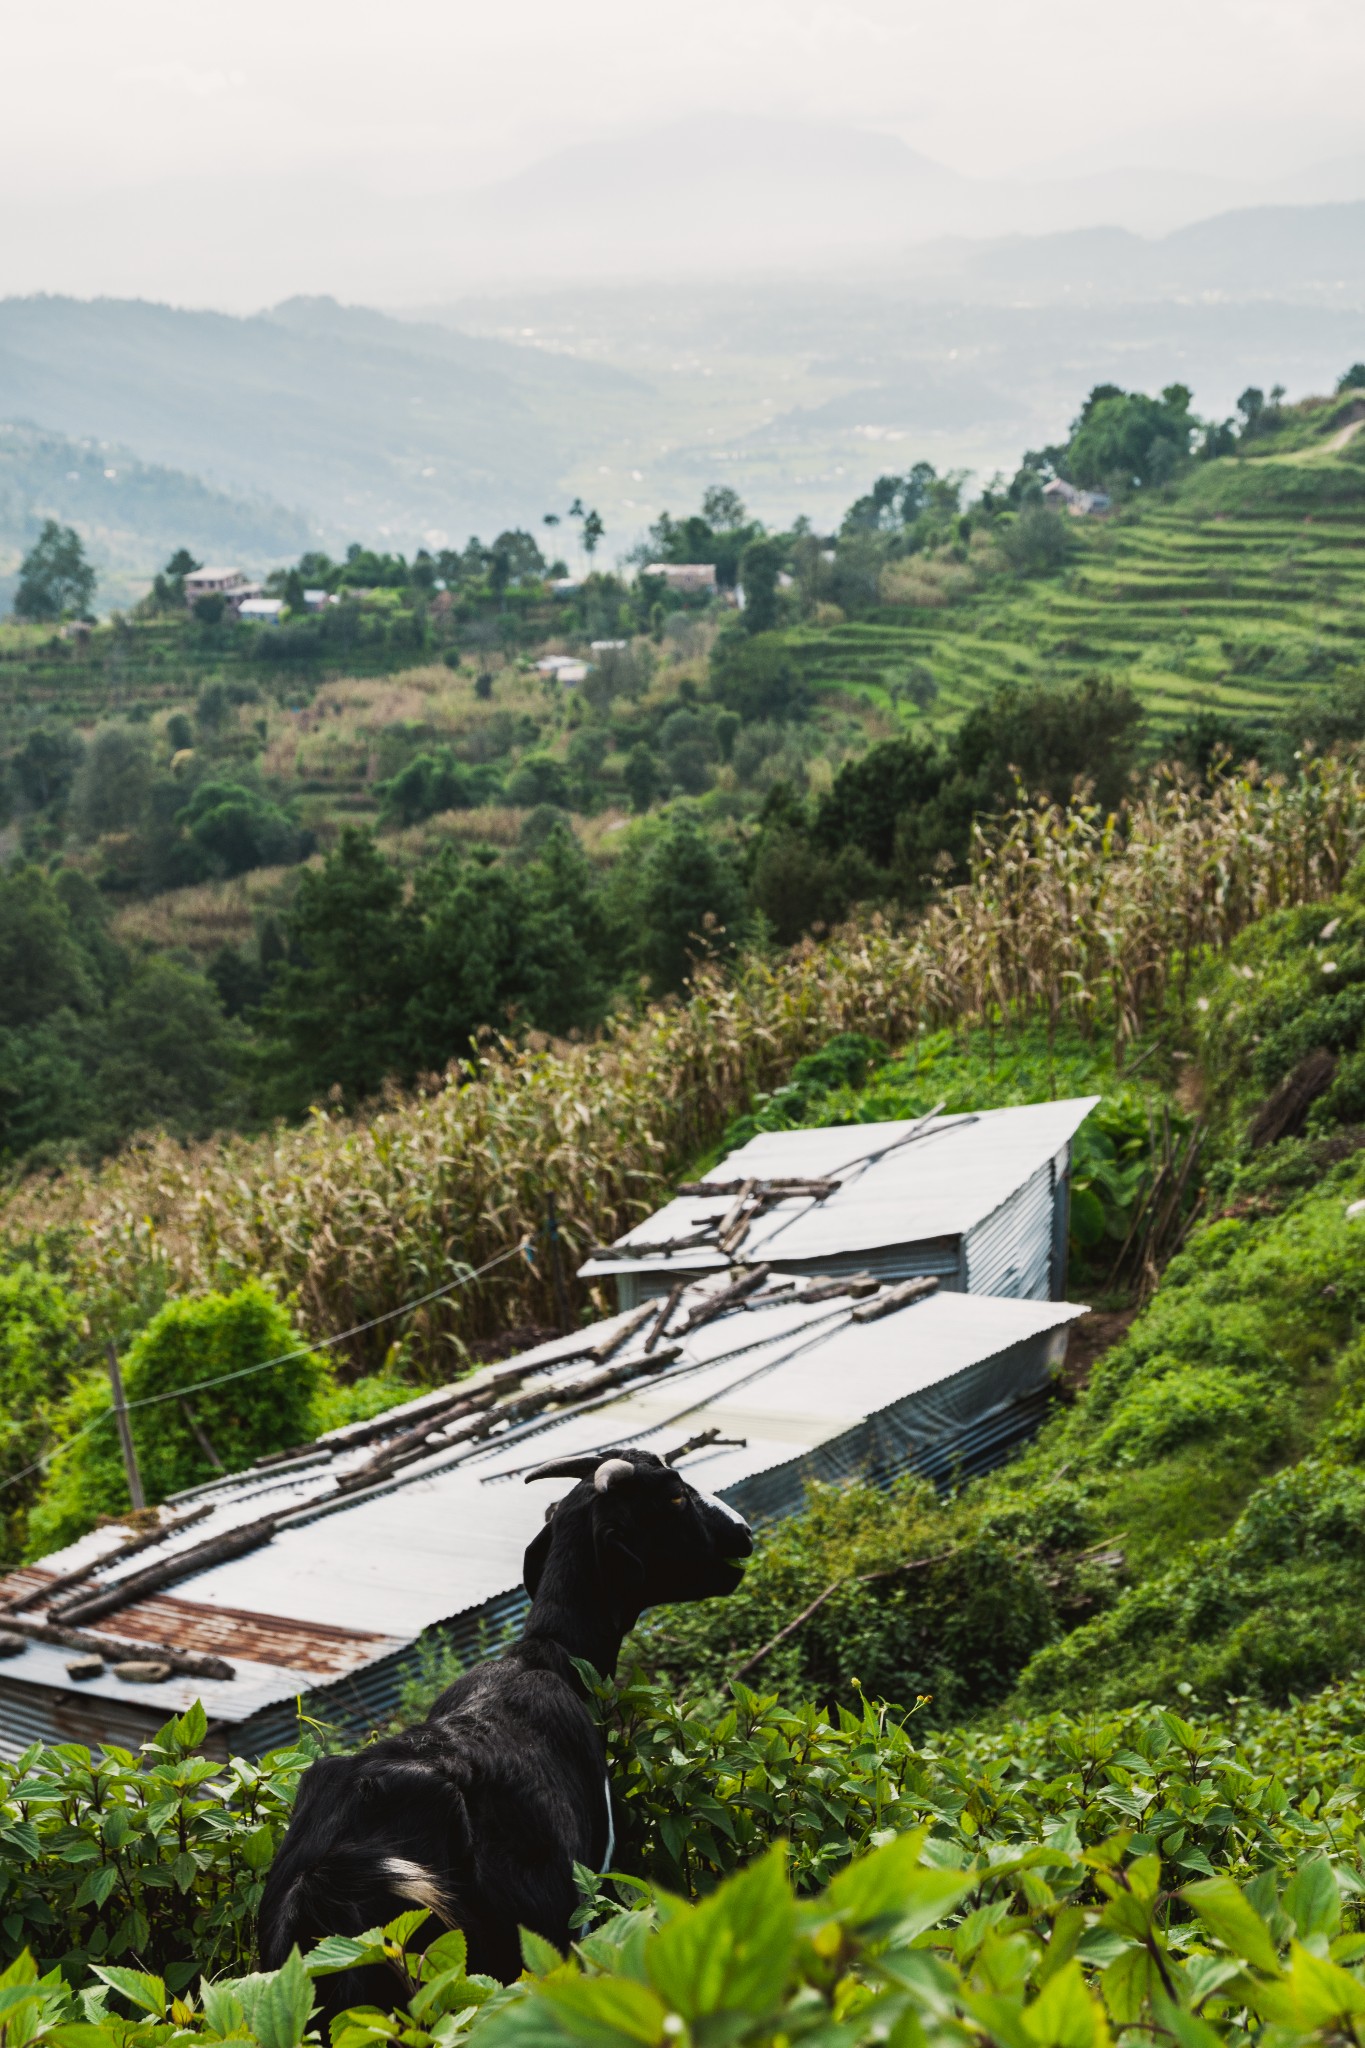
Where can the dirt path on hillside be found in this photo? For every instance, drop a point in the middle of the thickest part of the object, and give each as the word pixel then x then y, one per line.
pixel 1342 436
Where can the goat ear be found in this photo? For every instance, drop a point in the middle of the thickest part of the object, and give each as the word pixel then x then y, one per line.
pixel 533 1563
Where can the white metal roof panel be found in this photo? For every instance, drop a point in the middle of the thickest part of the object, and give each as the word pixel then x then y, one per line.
pixel 940 1184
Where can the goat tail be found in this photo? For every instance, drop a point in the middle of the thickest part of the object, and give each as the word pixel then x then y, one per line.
pixel 346 1890
pixel 422 1887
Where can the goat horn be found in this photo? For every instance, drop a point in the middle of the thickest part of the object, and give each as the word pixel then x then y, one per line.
pixel 611 1472
pixel 566 1468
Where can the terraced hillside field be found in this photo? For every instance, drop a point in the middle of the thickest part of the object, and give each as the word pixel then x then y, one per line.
pixel 1237 590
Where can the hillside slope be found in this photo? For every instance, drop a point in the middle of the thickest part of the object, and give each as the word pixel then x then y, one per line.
pixel 1235 590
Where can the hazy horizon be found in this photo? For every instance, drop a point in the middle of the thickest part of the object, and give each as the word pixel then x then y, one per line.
pixel 157 154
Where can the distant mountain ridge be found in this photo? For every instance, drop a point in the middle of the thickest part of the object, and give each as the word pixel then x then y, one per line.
pixel 378 426
pixel 1249 252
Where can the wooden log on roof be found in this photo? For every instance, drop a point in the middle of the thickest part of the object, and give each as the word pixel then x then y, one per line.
pixel 728 1298
pixel 774 1189
pixel 113 1649
pixel 44 1594
pixel 886 1304
pixel 154 1578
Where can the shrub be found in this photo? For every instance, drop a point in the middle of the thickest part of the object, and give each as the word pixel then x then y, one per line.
pixel 213 1337
pixel 37 1351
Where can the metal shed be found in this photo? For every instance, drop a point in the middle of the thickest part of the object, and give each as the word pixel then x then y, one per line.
pixel 353 1550
pixel 978 1200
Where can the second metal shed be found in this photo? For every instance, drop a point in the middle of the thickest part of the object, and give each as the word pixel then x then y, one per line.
pixel 979 1200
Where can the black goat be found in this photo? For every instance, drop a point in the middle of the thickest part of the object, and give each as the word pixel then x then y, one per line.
pixel 481 1812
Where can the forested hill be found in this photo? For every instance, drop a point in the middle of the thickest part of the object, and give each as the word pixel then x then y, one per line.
pixel 130 512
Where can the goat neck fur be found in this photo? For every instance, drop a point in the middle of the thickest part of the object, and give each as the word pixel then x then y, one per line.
pixel 480 1813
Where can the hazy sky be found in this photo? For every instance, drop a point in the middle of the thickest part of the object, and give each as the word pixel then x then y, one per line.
pixel 420 93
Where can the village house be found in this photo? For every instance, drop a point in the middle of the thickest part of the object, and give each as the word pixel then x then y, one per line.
pixel 687 579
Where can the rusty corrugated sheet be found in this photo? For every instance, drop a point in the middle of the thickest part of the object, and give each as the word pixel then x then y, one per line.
pixel 23 1581
pixel 314 1646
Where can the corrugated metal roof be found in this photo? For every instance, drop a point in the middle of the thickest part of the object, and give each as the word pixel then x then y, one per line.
pixel 330 1599
pixel 942 1183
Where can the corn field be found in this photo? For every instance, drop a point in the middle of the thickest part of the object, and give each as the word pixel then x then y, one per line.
pixel 1069 915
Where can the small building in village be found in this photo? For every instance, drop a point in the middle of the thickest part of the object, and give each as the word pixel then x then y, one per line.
pixel 685 579
pixel 319 1579
pixel 980 1201
pixel 1061 496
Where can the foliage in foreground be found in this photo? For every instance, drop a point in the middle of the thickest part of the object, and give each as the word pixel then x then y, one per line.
pixel 1058 1883
pixel 160 1860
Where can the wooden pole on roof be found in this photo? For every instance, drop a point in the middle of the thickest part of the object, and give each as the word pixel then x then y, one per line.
pixel 556 1267
pixel 125 1428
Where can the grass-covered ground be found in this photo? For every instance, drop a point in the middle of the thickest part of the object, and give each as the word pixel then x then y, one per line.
pixel 1191 1522
pixel 1236 589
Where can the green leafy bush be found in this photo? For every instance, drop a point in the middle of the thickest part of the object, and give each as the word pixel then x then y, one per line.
pixel 208 1337
pixel 37 1346
pixel 158 1860
pixel 800 1878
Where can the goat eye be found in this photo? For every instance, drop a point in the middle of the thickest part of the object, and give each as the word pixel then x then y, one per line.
pixel 679 1500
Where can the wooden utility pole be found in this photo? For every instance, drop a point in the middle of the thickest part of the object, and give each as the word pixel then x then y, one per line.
pixel 556 1267
pixel 125 1428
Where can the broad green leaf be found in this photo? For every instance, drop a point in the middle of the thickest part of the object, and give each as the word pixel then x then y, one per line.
pixel 1065 2014
pixel 1312 1899
pixel 343 1952
pixel 222 2007
pixel 190 1728
pixel 1187 2028
pixel 1231 1919
pixel 258 1848
pixel 147 1993
pixel 1314 1996
pixel 605 2009
pixel 399 1932
pixel 279 2003
pixel 732 1954
pixel 449 1951
pixel 538 1955
pixel 892 1888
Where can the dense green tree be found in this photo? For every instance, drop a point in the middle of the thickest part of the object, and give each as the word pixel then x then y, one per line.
pixel 538 779
pixel 1036 541
pixel 236 829
pixel 872 796
pixel 55 579
pixel 44 767
pixel 252 1412
pixel 642 775
pixel 43 966
pixel 172 1056
pixel 690 902
pixel 1129 437
pixel 1352 379
pixel 38 1338
pixel 113 781
pixel 336 1014
pixel 434 782
pixel 759 568
pixel 757 677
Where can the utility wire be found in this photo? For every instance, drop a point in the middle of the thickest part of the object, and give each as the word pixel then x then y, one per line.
pixel 287 1357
